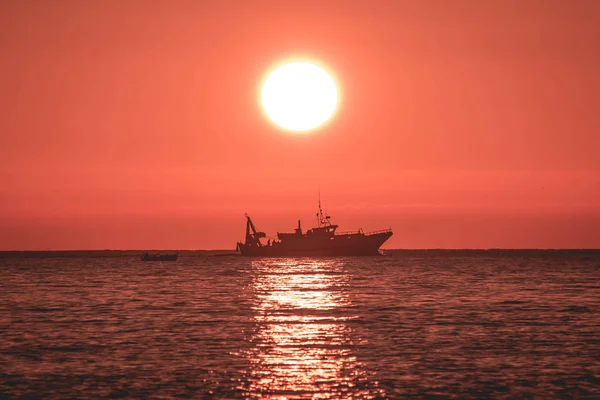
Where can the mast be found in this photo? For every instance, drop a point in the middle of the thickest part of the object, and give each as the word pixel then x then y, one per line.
pixel 322 220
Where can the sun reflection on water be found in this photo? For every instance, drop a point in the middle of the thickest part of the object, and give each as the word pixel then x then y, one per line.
pixel 302 344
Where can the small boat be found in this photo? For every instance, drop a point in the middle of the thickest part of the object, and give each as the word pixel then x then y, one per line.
pixel 159 257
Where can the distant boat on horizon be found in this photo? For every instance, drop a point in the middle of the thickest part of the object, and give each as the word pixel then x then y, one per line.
pixel 320 241
pixel 159 257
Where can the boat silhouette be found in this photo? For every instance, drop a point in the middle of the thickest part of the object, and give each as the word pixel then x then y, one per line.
pixel 159 257
pixel 320 241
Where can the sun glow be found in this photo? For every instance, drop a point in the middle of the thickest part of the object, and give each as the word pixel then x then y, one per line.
pixel 299 96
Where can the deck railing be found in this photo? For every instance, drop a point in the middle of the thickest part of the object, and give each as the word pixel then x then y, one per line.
pixel 379 231
pixel 348 233
pixel 365 233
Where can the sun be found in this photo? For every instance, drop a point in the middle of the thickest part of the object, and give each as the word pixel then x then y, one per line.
pixel 299 96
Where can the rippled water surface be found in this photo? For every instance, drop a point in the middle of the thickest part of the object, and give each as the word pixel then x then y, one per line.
pixel 408 324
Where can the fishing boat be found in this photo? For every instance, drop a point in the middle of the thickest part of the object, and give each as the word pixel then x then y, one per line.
pixel 322 240
pixel 159 257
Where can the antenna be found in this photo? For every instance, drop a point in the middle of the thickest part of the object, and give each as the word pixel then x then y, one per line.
pixel 322 220
pixel 320 213
pixel 319 189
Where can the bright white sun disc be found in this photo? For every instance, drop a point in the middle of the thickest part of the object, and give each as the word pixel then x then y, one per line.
pixel 299 96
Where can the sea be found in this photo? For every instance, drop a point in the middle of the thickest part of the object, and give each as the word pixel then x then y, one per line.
pixel 499 324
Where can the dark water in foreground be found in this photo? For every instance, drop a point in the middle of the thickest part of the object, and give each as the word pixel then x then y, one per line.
pixel 412 324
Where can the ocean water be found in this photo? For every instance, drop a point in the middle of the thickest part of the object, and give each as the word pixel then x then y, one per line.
pixel 408 324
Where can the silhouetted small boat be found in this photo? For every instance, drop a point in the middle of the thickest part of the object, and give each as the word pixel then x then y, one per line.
pixel 159 257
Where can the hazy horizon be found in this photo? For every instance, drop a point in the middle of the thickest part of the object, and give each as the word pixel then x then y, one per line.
pixel 385 249
pixel 460 125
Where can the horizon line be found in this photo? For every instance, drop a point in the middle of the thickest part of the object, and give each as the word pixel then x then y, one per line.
pixel 387 249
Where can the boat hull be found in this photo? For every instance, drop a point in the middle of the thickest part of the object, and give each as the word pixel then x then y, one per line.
pixel 338 246
pixel 160 257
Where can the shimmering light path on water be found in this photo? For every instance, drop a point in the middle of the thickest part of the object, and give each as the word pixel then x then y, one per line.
pixel 410 324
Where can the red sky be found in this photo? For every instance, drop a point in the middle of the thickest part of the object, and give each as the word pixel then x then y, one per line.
pixel 136 124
